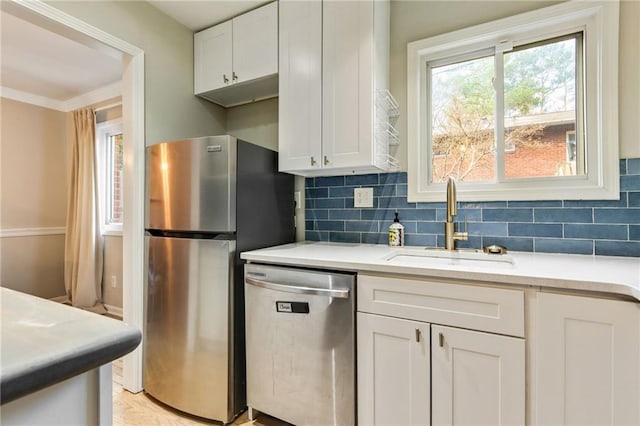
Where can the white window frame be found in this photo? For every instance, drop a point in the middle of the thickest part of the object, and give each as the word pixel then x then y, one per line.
pixel 566 141
pixel 598 20
pixel 103 131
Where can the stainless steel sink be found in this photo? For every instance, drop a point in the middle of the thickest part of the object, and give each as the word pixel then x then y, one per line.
pixel 436 257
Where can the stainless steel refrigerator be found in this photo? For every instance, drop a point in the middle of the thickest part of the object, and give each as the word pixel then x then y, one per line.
pixel 208 199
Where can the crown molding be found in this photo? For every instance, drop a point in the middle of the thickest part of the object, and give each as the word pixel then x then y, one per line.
pixel 90 98
pixel 30 98
pixel 95 96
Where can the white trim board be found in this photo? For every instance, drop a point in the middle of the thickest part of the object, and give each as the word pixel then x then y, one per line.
pixel 31 232
pixel 95 96
pixel 112 310
pixel 48 16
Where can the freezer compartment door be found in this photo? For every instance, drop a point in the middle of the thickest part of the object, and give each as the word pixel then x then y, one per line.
pixel 186 341
pixel 300 345
pixel 191 185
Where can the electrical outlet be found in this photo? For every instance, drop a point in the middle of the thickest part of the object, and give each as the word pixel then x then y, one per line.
pixel 363 197
pixel 114 281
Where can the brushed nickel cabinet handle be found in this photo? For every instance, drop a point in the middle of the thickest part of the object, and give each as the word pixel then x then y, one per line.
pixel 313 161
pixel 417 335
pixel 224 78
pixel 326 160
pixel 441 339
pixel 234 76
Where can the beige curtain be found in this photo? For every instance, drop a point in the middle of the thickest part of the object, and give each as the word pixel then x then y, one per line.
pixel 83 241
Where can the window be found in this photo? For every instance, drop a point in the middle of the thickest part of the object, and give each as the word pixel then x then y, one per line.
pixel 524 108
pixel 110 145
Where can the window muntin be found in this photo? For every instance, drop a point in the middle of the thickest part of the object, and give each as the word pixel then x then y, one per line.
pixel 595 172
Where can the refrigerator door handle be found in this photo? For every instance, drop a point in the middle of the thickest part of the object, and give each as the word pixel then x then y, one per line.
pixel 340 293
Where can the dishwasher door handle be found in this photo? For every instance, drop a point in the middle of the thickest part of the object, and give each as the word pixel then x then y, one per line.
pixel 339 293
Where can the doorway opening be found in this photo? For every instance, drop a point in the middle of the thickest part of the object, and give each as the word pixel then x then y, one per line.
pixel 52 19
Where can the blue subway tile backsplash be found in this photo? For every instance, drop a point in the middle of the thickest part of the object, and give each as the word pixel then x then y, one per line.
pixel 596 232
pixel 536 230
pixel 633 166
pixel 624 216
pixel 601 227
pixel 507 215
pixel 563 245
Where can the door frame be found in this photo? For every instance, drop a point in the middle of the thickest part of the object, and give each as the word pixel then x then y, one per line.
pixel 51 18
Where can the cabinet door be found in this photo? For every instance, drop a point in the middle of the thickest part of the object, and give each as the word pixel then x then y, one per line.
pixel 393 371
pixel 212 58
pixel 255 43
pixel 477 378
pixel 347 83
pixel 588 361
pixel 300 81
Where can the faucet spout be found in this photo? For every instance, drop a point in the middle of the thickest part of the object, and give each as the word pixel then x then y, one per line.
pixel 450 233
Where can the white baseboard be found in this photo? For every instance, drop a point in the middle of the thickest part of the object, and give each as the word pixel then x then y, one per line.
pixel 114 310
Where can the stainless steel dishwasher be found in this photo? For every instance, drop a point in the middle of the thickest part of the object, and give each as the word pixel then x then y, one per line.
pixel 300 344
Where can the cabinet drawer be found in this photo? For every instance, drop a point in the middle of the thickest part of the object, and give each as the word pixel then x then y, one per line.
pixel 494 310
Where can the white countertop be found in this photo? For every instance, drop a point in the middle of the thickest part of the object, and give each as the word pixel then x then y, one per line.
pixel 604 274
pixel 45 342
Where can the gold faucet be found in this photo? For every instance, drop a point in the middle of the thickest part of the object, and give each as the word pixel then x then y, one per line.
pixel 450 234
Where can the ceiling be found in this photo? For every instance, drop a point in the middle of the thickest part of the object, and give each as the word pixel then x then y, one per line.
pixel 39 62
pixel 42 64
pixel 197 15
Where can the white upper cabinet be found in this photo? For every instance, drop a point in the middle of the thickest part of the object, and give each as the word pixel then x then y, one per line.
pixel 333 72
pixel 255 44
pixel 300 101
pixel 213 57
pixel 236 61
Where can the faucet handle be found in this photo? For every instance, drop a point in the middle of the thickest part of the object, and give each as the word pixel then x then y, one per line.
pixel 462 236
pixel 464 219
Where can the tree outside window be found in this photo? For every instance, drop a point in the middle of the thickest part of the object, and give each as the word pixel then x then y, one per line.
pixel 536 86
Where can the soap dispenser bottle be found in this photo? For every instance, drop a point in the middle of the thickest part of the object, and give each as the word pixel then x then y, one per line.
pixel 396 233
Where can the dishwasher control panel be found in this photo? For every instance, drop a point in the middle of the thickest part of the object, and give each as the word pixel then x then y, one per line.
pixel 292 307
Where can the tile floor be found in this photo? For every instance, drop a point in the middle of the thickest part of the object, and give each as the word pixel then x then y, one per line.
pixel 141 410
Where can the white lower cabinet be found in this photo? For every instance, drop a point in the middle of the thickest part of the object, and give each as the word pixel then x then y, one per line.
pixel 587 361
pixel 451 352
pixel 477 378
pixel 414 372
pixel 393 371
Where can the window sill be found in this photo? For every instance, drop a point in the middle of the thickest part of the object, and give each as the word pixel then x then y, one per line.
pixel 112 231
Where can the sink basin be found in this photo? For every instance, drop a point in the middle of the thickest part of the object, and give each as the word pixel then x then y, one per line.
pixel 435 257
